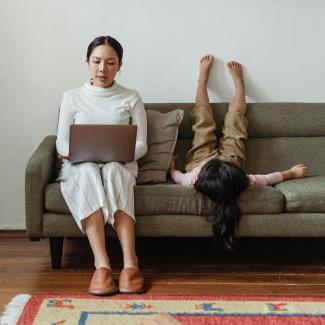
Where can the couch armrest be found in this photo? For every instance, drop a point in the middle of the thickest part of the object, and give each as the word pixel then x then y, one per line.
pixel 39 171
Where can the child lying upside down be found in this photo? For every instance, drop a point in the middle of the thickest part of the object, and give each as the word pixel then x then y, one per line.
pixel 216 169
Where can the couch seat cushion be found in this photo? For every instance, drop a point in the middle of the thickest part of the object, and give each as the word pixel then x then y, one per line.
pixel 261 199
pixel 153 199
pixel 255 200
pixel 168 198
pixel 304 195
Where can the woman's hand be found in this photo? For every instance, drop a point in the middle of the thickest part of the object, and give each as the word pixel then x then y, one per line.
pixel 172 164
pixel 63 157
pixel 299 171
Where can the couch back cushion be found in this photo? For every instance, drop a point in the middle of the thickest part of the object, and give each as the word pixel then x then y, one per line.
pixel 279 134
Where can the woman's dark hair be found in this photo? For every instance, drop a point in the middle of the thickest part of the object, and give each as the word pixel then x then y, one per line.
pixel 222 182
pixel 106 40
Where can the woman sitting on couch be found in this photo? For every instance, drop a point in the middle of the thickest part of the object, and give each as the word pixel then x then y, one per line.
pixel 97 194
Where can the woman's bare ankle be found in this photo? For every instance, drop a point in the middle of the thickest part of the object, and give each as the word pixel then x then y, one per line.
pixel 102 263
pixel 131 262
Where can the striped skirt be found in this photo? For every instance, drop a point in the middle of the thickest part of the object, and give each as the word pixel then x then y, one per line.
pixel 87 187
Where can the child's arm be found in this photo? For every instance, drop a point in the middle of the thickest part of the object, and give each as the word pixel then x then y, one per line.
pixel 297 171
pixel 187 179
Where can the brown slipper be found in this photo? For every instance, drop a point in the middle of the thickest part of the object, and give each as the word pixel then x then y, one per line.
pixel 102 283
pixel 131 281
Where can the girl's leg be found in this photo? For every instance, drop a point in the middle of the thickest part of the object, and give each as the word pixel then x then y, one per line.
pixel 203 125
pixel 238 102
pixel 232 143
pixel 202 97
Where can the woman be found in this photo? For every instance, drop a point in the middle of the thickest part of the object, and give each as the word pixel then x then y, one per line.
pixel 216 170
pixel 100 193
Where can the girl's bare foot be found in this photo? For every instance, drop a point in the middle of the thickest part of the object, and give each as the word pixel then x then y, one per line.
pixel 205 66
pixel 236 72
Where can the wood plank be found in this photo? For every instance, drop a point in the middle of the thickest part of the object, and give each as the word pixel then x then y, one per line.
pixel 170 265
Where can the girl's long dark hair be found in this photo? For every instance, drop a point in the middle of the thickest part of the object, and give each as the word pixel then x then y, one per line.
pixel 223 182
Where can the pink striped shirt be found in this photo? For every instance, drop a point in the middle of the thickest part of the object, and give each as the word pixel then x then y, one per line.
pixel 188 179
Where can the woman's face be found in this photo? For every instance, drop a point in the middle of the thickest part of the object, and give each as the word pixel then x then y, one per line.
pixel 103 65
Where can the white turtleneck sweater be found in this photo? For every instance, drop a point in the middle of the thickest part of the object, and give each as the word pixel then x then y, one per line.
pixel 96 105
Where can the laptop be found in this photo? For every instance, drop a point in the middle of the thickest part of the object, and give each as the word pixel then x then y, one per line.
pixel 102 143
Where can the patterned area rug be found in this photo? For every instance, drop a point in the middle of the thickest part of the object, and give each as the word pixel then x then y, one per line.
pixel 192 310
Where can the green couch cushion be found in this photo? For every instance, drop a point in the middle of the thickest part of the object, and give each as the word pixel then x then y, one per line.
pixel 266 120
pixel 276 138
pixel 149 199
pixel 261 199
pixel 304 195
pixel 174 199
pixel 255 200
pixel 265 155
pixel 166 198
pixel 251 225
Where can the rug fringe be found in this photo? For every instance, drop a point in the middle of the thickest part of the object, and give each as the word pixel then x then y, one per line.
pixel 14 309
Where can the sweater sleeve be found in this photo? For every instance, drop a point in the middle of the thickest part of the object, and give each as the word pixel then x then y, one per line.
pixel 187 179
pixel 66 118
pixel 268 179
pixel 139 118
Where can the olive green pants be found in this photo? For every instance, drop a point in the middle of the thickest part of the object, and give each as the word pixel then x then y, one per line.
pixel 205 144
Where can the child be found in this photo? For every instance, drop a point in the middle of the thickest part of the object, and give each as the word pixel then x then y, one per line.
pixel 217 171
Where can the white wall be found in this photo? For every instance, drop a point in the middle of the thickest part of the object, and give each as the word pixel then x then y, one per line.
pixel 43 48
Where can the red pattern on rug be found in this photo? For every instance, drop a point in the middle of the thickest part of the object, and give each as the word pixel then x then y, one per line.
pixel 207 305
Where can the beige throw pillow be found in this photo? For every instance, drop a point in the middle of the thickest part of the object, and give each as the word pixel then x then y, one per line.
pixel 162 137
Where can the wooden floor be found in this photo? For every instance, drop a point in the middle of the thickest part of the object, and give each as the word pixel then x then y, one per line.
pixel 190 266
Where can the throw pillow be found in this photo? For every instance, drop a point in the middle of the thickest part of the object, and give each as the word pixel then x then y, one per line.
pixel 162 137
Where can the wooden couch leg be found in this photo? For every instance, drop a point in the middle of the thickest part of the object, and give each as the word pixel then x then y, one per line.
pixel 56 246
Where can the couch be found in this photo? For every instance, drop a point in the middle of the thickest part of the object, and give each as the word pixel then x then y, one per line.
pixel 279 136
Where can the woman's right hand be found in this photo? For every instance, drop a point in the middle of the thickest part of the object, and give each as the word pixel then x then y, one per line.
pixel 63 157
